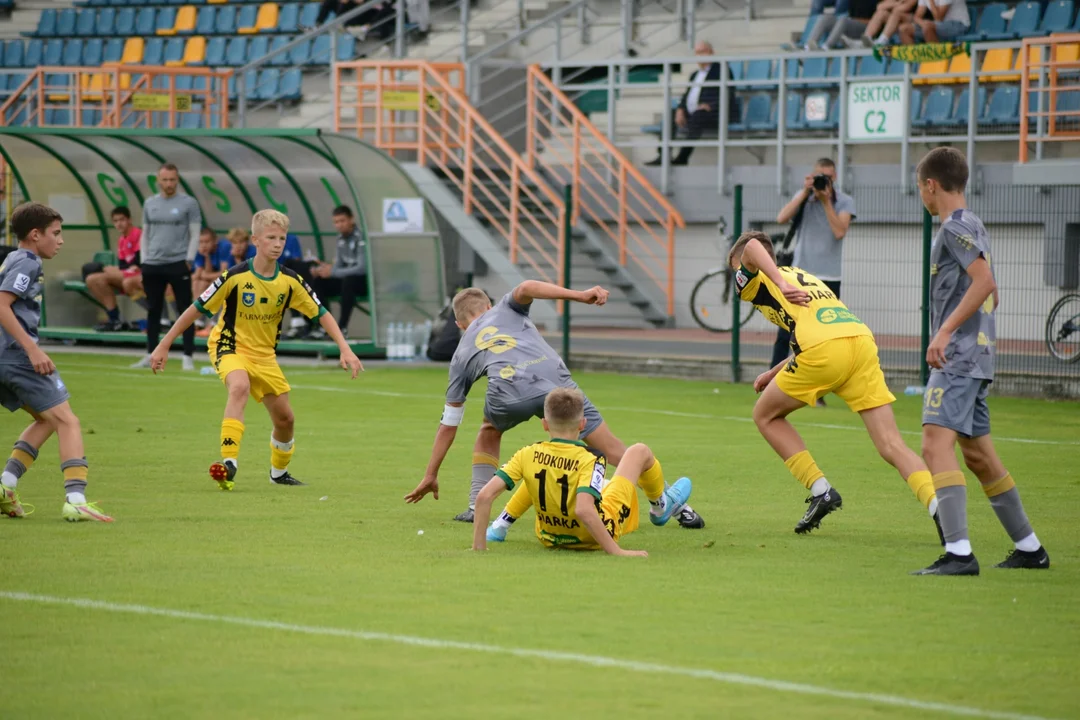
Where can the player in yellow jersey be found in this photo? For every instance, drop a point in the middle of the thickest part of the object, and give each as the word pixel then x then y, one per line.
pixel 576 506
pixel 832 351
pixel 252 298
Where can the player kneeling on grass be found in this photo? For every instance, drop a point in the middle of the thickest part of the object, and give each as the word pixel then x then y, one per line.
pixel 28 378
pixel 832 351
pixel 252 298
pixel 576 506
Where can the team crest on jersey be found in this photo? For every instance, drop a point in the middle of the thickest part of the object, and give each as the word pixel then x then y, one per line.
pixel 280 299
pixel 741 279
pixel 248 299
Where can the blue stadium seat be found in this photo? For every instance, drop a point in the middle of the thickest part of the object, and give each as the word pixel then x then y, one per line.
pixel 191 120
pixel 290 89
pixel 46 26
pixel 868 67
pixel 73 50
pixel 226 20
pixel 289 19
pixel 54 52
pixel 301 54
pixel 1024 22
pixel 65 22
pixel 831 121
pixel 939 106
pixel 86 22
pixel 125 22
pixel 989 22
pixel 91 118
pixel 35 53
pixel 960 114
pixel 915 110
pixel 279 42
pixel 793 115
pixel 236 54
pixel 60 117
pixel 204 23
pixel 166 19
pixel 13 53
pixel 1058 17
pixel 1068 101
pixel 320 51
pixel 174 49
pixel 154 51
pixel 267 87
pixel 759 70
pixel 258 47
pixel 144 22
pixel 346 47
pixel 176 2
pixel 756 115
pixel 93 49
pixel 791 68
pixel 309 14
pixel 247 16
pixel 1076 25
pixel 105 26
pixel 114 50
pixel 215 51
pixel 183 83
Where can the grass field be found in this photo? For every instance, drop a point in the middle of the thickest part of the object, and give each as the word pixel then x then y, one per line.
pixel 324 601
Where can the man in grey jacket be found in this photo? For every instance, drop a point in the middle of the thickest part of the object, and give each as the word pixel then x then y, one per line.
pixel 170 238
pixel 347 278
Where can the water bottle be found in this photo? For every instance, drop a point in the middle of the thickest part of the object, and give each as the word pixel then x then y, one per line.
pixel 914 390
pixel 397 341
pixel 424 340
pixel 391 348
pixel 410 341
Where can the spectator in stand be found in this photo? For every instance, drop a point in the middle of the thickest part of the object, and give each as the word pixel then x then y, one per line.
pixel 848 21
pixel 936 21
pixel 888 17
pixel 378 19
pixel 699 108
pixel 347 277
pixel 103 281
pixel 240 247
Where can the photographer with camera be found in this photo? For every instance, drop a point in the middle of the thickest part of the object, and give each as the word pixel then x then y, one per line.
pixel 820 216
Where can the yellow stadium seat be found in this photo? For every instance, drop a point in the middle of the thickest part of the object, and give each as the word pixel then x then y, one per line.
pixel 268 17
pixel 934 67
pixel 961 66
pixel 133 51
pixel 93 84
pixel 216 2
pixel 185 19
pixel 1068 54
pixel 999 62
pixel 195 51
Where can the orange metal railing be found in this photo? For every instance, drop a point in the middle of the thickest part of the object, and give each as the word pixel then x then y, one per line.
pixel 1053 56
pixel 134 96
pixel 609 191
pixel 417 110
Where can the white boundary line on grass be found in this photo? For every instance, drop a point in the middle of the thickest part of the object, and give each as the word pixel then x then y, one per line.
pixel 592 660
pixel 113 370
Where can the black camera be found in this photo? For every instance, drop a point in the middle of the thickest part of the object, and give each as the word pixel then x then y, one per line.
pixel 822 182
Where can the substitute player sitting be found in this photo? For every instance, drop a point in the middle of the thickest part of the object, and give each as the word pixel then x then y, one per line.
pixel 832 351
pixel 252 298
pixel 576 506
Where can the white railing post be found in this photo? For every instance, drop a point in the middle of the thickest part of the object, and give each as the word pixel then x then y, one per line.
pixel 665 133
pixel 399 29
pixel 241 99
pixel 905 144
pixel 582 24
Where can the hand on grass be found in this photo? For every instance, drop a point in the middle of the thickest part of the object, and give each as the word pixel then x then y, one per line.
pixel 430 484
pixel 157 359
pixel 630 553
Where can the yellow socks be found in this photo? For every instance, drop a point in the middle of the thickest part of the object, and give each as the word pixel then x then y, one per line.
pixel 652 481
pixel 280 455
pixel 952 478
pixel 921 483
pixel 999 487
pixel 519 503
pixel 232 432
pixel 802 466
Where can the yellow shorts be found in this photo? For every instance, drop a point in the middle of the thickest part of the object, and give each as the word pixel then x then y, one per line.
pixel 847 366
pixel 619 507
pixel 265 376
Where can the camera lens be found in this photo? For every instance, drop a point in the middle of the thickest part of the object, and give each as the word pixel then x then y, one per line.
pixel 821 182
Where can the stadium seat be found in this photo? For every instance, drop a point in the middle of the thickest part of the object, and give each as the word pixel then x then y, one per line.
pixel 59 117
pixel 793 113
pixel 939 106
pixel 166 21
pixel 758 122
pixel 257 48
pixel 291 87
pixel 93 49
pixel 301 54
pixel 195 51
pixel 309 14
pixel 245 19
pixel 105 23
pixel 289 19
pixel 1068 54
pixel 185 20
pixel 215 51
pixel 114 50
pixel 236 54
pixel 1068 101
pixel 46 26
pixel 65 22
pixel 204 24
pixel 990 22
pixel 934 67
pixel 54 52
pixel 276 44
pixel 267 20
pixel 134 48
pixel 174 52
pixel 1024 22
pixel 831 121
pixel 85 23
pixel 13 53
pixel 155 51
pixel 226 20
pixel 996 65
pixel 144 22
pixel 915 111
pixel 1058 17
pixel 960 66
pixel 35 53
pixel 814 68
pixel 757 70
pixel 320 50
pixel 346 47
pixel 867 67
pixel 267 88
pixel 91 118
pixel 125 22
pixel 960 114
pixel 191 120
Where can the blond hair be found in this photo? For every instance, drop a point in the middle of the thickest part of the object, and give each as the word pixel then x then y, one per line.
pixel 237 235
pixel 469 303
pixel 563 409
pixel 265 218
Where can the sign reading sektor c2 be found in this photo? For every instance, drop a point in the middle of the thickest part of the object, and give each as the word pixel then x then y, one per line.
pixel 876 110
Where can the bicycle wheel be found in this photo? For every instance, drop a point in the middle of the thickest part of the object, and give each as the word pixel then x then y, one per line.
pixel 710 301
pixel 1063 329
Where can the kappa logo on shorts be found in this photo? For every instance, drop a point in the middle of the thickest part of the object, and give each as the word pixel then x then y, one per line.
pixel 248 299
pixel 22 282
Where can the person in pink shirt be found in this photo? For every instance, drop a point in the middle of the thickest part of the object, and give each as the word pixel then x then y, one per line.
pixel 103 281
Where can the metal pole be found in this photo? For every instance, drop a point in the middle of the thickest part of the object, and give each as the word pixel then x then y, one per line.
pixel 335 78
pixel 691 24
pixel 927 241
pixel 627 22
pixel 721 161
pixel 465 37
pixel 399 29
pixel 781 112
pixel 841 150
pixel 973 113
pixel 736 301
pixel 905 144
pixel 611 114
pixel 241 100
pixel 568 200
pixel 520 13
pixel 665 133
pixel 680 12
pixel 583 24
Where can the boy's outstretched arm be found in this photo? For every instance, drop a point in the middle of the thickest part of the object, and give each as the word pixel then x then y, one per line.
pixel 531 290
pixel 482 513
pixel 161 352
pixel 444 438
pixel 585 509
pixel 348 359
pixel 756 258
pixel 982 287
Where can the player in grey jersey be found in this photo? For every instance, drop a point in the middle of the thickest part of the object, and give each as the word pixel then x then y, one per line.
pixel 963 298
pixel 502 343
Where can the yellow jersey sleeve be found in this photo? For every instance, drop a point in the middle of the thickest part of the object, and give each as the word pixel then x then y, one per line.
pixel 592 476
pixel 513 471
pixel 211 301
pixel 303 299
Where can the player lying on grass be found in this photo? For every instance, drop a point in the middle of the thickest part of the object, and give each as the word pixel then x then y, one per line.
pixel 252 298
pixel 963 299
pixel 576 506
pixel 28 378
pixel 502 343
pixel 832 351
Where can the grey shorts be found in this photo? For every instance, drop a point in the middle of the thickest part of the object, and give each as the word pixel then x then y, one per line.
pixel 958 403
pixel 21 386
pixel 505 417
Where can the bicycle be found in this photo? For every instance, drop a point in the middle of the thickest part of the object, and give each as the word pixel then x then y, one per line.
pixel 711 298
pixel 1063 329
